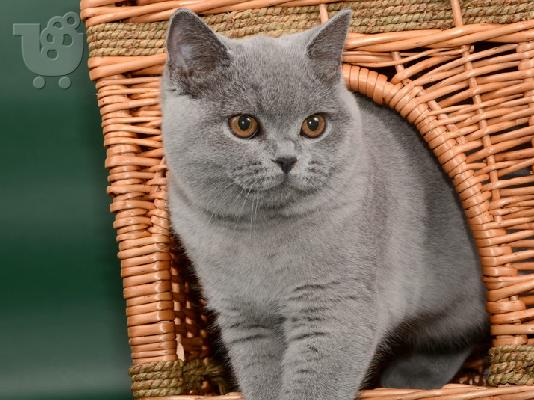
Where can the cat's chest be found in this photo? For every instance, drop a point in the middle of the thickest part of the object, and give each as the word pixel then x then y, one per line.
pixel 266 261
pixel 251 253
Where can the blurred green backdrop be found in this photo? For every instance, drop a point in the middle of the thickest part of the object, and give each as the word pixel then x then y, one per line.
pixel 62 327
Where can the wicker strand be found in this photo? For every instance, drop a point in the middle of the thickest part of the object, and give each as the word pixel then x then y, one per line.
pixel 395 12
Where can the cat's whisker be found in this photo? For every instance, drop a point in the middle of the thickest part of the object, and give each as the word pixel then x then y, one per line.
pixel 244 199
pixel 218 195
pixel 256 209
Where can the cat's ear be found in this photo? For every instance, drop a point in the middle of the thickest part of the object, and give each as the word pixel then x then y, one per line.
pixel 325 46
pixel 194 51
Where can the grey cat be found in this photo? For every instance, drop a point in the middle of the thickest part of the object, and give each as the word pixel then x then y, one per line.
pixel 323 232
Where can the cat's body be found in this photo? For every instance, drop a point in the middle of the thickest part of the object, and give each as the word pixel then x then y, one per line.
pixel 315 275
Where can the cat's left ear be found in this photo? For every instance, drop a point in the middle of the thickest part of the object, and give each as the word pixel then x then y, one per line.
pixel 194 51
pixel 325 47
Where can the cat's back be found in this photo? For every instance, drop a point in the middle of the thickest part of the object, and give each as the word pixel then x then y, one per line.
pixel 395 143
pixel 427 237
pixel 409 173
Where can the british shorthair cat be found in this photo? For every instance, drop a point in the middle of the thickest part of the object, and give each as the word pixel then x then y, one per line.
pixel 324 234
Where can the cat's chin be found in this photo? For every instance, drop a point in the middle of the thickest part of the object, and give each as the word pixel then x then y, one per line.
pixel 283 185
pixel 272 197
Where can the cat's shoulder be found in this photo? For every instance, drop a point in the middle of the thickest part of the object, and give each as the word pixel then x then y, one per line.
pixel 379 116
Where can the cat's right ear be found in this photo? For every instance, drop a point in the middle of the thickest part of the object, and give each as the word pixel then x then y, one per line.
pixel 194 51
pixel 326 45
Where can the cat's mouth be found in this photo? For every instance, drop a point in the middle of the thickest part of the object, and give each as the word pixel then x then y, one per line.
pixel 280 183
pixel 266 188
pixel 278 192
pixel 274 192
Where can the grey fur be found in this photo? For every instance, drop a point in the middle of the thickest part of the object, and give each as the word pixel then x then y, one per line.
pixel 361 248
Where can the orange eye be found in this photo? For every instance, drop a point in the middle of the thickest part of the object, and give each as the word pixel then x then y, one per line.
pixel 244 126
pixel 313 126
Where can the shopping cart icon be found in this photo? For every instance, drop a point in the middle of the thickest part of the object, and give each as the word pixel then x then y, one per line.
pixel 56 51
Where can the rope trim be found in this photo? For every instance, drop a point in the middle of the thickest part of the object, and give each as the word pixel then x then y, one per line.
pixel 511 365
pixel 170 378
pixel 130 39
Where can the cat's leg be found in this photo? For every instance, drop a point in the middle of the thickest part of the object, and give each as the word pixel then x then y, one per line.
pixel 331 338
pixel 255 347
pixel 437 347
pixel 423 369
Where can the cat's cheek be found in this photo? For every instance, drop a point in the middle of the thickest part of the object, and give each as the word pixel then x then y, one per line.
pixel 302 182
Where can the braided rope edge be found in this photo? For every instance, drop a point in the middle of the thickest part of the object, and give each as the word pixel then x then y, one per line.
pixel 170 378
pixel 511 365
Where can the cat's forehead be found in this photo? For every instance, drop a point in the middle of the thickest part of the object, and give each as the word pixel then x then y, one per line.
pixel 274 75
pixel 277 62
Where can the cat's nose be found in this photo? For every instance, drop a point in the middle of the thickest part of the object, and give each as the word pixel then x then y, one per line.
pixel 285 163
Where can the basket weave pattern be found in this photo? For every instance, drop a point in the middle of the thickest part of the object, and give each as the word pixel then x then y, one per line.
pixel 469 89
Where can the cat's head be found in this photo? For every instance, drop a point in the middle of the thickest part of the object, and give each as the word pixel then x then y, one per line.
pixel 257 123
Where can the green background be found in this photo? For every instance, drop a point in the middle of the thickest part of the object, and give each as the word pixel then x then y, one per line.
pixel 62 326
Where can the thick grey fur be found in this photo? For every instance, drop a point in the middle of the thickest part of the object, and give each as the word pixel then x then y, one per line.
pixel 362 248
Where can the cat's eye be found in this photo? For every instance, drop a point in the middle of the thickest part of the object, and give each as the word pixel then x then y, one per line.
pixel 313 126
pixel 244 126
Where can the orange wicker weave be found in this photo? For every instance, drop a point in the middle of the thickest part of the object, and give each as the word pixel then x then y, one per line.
pixel 469 89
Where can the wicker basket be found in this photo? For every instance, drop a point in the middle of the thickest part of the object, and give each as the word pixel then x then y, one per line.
pixel 469 89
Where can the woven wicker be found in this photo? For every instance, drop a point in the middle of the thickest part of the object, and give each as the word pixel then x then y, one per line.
pixel 462 73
